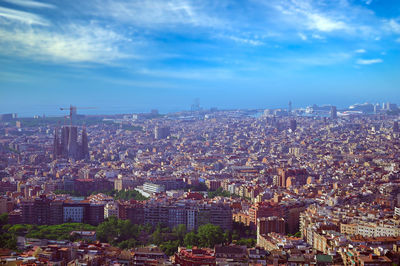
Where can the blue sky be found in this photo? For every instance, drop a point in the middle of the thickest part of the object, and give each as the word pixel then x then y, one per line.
pixel 130 56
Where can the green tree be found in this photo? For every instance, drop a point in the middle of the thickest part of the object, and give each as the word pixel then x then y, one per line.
pixel 191 239
pixel 235 235
pixel 108 231
pixel 170 247
pixel 227 236
pixel 180 232
pixel 3 219
pixel 7 240
pixel 127 244
pixel 156 237
pixel 118 232
pixel 129 194
pixel 249 242
pixel 219 192
pixel 209 235
pixel 19 229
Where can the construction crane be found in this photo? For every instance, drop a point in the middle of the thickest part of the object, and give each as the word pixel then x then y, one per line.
pixel 72 111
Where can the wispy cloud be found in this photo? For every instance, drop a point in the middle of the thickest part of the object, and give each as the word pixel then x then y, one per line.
pixel 29 3
pixel 21 16
pixel 317 36
pixel 302 36
pixel 305 14
pixel 328 18
pixel 322 23
pixel 360 51
pixel 369 61
pixel 76 43
pixel 157 13
pixel 249 41
pixel 393 25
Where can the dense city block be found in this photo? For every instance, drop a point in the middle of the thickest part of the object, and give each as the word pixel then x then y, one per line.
pixel 313 186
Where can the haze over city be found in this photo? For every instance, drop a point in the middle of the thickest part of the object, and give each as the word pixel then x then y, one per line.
pixel 132 56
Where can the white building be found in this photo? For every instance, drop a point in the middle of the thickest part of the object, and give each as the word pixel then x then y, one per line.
pixel 153 188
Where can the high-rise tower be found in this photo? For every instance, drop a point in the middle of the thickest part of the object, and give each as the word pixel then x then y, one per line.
pixel 85 144
pixel 293 125
pixel 68 146
pixel 333 112
pixel 73 142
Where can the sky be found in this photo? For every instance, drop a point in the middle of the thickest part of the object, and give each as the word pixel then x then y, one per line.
pixel 125 56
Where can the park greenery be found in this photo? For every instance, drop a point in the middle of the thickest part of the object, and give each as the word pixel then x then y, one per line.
pixel 53 232
pixel 7 240
pixel 69 192
pixel 125 235
pixel 128 195
pixel 218 193
pixel 117 195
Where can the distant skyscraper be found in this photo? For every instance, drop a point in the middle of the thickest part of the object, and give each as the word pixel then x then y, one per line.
pixel 293 124
pixel 69 147
pixel 333 112
pixel 290 107
pixel 376 108
pixel 161 132
pixel 196 105
pixel 396 126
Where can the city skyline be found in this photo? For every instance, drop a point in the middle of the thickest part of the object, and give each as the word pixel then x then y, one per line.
pixel 133 56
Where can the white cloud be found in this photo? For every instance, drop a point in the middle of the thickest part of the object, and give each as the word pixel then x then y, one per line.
pixel 360 51
pixel 323 23
pixel 368 2
pixel 317 36
pixel 74 44
pixel 369 61
pixel 245 40
pixel 29 3
pixel 302 36
pixel 21 16
pixel 394 26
